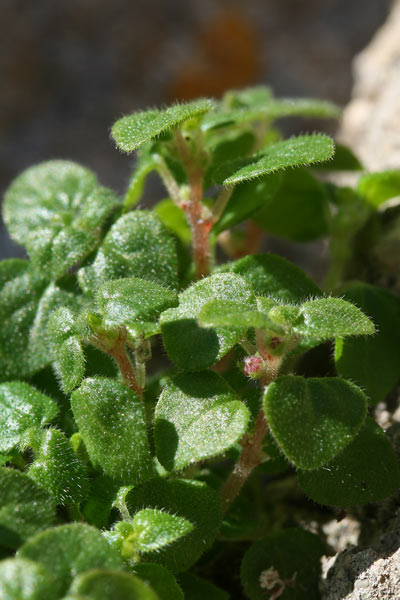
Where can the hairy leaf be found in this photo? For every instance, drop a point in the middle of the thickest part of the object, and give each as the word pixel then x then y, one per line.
pixel 56 210
pixel 58 469
pixel 299 210
pixel 198 416
pixel 106 584
pixel 344 160
pixel 194 501
pixel 110 418
pixel 174 219
pixel 331 412
pixel 297 151
pixel 146 163
pixel 69 363
pixel 25 508
pixel 160 579
pixel 376 188
pixel 68 550
pixel 272 275
pixel 22 579
pixel 22 406
pixel 289 560
pixel 373 363
pixel 137 245
pixel 190 346
pixel 134 130
pixel 366 471
pixel 155 529
pixel 225 313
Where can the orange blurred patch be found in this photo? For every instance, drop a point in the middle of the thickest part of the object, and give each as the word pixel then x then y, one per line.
pixel 226 56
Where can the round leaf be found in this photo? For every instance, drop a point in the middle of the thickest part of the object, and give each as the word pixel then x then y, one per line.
pixel 331 412
pixel 160 579
pixel 197 417
pixel 22 579
pixel 155 529
pixel 69 550
pixel 366 471
pixel 190 346
pixel 110 417
pixel 105 584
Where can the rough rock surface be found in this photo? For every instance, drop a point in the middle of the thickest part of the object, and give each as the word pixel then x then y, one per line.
pixel 372 118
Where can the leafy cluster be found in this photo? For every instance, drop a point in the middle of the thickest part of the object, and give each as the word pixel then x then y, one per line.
pixel 112 484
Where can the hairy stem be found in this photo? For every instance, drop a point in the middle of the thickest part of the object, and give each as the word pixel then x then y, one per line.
pixel 248 460
pixel 199 224
pixel 119 354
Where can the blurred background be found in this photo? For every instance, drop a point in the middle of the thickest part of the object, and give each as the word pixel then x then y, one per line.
pixel 69 69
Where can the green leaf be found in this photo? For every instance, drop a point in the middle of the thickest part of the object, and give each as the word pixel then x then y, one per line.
pixel 232 145
pixel 270 109
pixel 56 210
pixel 145 164
pixel 225 313
pixel 373 363
pixel 26 302
pixel 376 188
pixel 134 303
pixel 197 417
pixel 25 508
pixel 154 529
pixel 299 210
pixel 344 160
pixel 69 550
pixel 69 359
pixel 137 245
pixel 272 275
pixel 96 509
pixel 160 579
pixel 196 588
pixel 174 219
pixel 190 346
pixel 366 471
pixel 246 199
pixel 111 421
pixel 331 412
pixel 323 319
pixel 194 501
pixel 251 96
pixel 291 556
pixel 105 584
pixel 21 407
pixel 58 469
pixel 132 131
pixel 297 151
pixel 22 579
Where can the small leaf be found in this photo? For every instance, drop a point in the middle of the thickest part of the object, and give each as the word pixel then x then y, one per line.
pixel 269 109
pixel 21 407
pixel 69 363
pixel 190 346
pixel 272 275
pixel 344 160
pixel 197 417
pixel 132 301
pixel 68 550
pixel 105 584
pixel 366 471
pixel 137 245
pixel 376 188
pixel 246 199
pixel 297 151
pixel 331 412
pixel 146 163
pixel 155 529
pixel 225 313
pixel 373 363
pixel 232 145
pixel 97 507
pixel 160 579
pixel 56 209
pixel 174 219
pixel 196 588
pixel 111 421
pixel 299 210
pixel 58 469
pixel 323 319
pixel 132 131
pixel 25 508
pixel 194 501
pixel 22 579
pixel 287 560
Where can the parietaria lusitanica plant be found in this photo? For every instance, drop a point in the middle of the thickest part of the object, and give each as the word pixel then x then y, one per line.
pixel 130 477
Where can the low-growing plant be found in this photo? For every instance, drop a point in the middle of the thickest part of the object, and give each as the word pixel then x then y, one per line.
pixel 174 477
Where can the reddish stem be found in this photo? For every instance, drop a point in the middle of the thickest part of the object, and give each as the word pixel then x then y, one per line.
pixel 119 354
